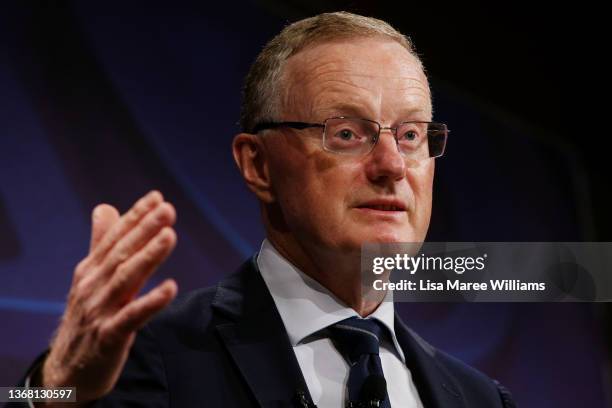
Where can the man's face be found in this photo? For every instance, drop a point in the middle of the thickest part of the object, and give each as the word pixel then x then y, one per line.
pixel 335 201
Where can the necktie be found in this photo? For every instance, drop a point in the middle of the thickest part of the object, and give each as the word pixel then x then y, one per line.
pixel 358 341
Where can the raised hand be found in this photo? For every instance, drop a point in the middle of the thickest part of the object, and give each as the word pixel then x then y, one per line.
pixel 103 311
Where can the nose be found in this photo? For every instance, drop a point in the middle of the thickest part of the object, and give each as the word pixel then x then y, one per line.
pixel 385 160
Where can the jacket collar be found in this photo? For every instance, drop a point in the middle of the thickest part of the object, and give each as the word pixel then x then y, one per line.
pixel 436 386
pixel 255 337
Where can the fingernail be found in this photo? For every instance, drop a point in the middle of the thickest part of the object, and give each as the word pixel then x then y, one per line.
pixel 154 193
pixel 96 214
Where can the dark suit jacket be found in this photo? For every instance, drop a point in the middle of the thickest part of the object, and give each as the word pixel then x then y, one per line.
pixel 226 346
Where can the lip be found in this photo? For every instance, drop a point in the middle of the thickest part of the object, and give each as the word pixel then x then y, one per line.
pixel 390 206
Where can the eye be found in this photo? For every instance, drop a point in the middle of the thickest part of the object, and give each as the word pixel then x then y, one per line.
pixel 410 135
pixel 345 134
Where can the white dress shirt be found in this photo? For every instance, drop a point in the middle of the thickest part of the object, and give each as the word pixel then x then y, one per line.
pixel 306 307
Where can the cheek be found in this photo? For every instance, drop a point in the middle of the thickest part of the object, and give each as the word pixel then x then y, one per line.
pixel 313 193
pixel 324 186
pixel 421 182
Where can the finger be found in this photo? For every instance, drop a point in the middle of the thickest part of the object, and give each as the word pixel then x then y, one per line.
pixel 131 276
pixel 163 215
pixel 126 223
pixel 137 313
pixel 103 217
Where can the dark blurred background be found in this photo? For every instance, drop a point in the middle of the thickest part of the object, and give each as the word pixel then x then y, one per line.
pixel 101 102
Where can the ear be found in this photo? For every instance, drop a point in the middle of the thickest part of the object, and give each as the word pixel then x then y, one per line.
pixel 251 159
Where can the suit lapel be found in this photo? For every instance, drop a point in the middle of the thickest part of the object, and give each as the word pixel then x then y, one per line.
pixel 436 387
pixel 255 337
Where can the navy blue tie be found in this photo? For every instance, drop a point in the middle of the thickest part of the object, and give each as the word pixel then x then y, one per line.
pixel 358 341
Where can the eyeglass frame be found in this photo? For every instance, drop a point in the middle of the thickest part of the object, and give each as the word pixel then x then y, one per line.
pixel 306 125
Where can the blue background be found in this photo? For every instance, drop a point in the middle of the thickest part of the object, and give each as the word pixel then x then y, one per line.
pixel 103 103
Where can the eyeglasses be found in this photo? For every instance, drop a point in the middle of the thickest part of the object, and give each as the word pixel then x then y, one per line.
pixel 416 140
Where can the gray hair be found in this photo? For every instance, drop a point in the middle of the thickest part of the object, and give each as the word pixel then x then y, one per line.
pixel 263 83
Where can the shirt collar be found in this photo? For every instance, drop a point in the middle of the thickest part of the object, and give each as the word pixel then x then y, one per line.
pixel 306 306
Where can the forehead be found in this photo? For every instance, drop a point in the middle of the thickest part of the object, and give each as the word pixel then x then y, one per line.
pixel 372 77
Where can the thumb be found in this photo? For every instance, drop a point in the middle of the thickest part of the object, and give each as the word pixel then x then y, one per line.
pixel 103 217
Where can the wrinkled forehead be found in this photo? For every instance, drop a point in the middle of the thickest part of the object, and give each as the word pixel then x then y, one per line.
pixel 372 75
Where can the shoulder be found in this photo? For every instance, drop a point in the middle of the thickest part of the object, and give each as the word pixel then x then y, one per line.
pixel 196 314
pixel 473 382
pixel 190 316
pixel 454 376
pixel 187 306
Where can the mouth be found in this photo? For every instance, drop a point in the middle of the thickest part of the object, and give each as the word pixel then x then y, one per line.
pixel 389 206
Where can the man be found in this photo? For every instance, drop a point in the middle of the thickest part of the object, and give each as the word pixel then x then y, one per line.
pixel 338 147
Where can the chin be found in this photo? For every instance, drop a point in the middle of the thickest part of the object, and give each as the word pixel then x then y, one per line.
pixel 388 235
pixel 389 239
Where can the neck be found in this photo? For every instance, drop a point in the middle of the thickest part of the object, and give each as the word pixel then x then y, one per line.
pixel 338 271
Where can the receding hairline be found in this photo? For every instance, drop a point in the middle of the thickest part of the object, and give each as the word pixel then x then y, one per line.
pixel 330 38
pixel 294 72
pixel 263 87
pixel 353 39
